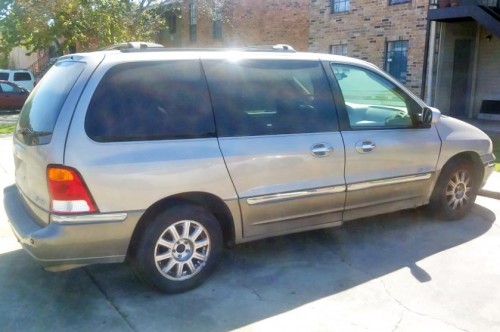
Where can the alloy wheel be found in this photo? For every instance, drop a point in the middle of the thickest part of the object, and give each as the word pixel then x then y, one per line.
pixel 458 190
pixel 182 250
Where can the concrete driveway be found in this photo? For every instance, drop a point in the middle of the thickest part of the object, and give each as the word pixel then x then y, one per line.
pixel 401 272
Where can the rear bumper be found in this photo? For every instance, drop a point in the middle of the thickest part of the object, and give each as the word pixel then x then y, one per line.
pixel 64 245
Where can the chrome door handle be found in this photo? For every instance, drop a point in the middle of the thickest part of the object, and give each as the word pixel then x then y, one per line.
pixel 365 146
pixel 321 149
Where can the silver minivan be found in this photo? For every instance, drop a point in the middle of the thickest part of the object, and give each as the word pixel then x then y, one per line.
pixel 163 156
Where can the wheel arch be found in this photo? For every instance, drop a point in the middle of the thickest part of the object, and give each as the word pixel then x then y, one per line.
pixel 469 156
pixel 439 204
pixel 210 202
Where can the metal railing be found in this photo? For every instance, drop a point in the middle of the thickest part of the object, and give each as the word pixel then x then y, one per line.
pixel 36 66
pixel 41 65
pixel 455 3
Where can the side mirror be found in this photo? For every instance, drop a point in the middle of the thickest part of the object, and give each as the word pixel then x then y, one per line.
pixel 430 115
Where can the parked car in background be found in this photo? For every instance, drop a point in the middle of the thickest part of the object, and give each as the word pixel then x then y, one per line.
pixel 12 96
pixel 23 78
pixel 163 156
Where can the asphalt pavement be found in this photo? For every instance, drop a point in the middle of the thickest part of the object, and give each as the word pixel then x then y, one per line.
pixel 396 272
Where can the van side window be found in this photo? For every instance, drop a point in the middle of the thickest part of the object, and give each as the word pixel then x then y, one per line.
pixel 373 101
pixel 4 76
pixel 151 101
pixel 270 97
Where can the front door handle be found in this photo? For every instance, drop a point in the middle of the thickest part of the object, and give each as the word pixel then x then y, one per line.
pixel 321 149
pixel 365 146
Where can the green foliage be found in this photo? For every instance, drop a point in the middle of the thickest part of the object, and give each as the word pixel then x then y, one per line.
pixel 496 151
pixel 7 129
pixel 85 24
pixel 4 60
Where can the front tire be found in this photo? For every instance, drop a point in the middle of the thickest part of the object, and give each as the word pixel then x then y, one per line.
pixel 455 191
pixel 178 249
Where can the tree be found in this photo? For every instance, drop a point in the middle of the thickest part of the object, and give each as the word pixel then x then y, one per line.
pixel 89 24
pixel 36 24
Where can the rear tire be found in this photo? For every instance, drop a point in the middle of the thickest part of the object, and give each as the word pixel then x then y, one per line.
pixel 455 191
pixel 178 249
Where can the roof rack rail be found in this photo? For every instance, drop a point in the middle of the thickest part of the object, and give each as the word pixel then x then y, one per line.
pixel 172 49
pixel 152 47
pixel 267 48
pixel 131 45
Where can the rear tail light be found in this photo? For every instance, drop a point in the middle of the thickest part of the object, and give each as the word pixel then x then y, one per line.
pixel 68 192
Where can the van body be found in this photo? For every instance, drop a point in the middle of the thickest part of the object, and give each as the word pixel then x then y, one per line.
pixel 163 156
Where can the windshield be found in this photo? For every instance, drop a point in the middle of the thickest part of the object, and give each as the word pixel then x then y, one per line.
pixel 39 114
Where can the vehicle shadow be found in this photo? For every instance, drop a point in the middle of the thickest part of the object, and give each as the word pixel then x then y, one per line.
pixel 253 282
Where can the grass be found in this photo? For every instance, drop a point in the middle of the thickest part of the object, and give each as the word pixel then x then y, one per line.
pixel 496 151
pixel 7 128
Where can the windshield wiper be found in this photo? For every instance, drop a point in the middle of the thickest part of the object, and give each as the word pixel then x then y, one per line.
pixel 31 133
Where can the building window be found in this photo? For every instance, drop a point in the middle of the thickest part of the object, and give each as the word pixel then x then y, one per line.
pixel 192 21
pixel 397 2
pixel 340 49
pixel 217 29
pixel 339 6
pixel 396 60
pixel 172 23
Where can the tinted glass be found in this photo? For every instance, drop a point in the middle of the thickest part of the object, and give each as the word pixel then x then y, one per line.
pixel 373 101
pixel 151 100
pixel 22 77
pixel 268 97
pixel 39 114
pixel 4 76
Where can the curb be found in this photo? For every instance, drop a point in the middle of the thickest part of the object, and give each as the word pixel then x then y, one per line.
pixel 489 194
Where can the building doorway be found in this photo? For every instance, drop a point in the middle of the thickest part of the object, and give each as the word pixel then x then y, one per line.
pixel 460 83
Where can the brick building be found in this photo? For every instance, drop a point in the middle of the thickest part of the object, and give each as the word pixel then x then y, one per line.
pixel 446 51
pixel 388 33
pixel 237 23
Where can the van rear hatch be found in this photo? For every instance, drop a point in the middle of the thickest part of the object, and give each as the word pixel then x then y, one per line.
pixel 40 135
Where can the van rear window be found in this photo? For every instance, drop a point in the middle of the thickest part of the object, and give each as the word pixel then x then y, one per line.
pixel 40 111
pixel 22 77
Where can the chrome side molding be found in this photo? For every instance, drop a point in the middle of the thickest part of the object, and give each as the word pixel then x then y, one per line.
pixel 88 218
pixel 294 195
pixel 387 182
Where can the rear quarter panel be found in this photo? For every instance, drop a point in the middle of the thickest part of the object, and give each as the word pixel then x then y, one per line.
pixel 31 161
pixel 131 176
